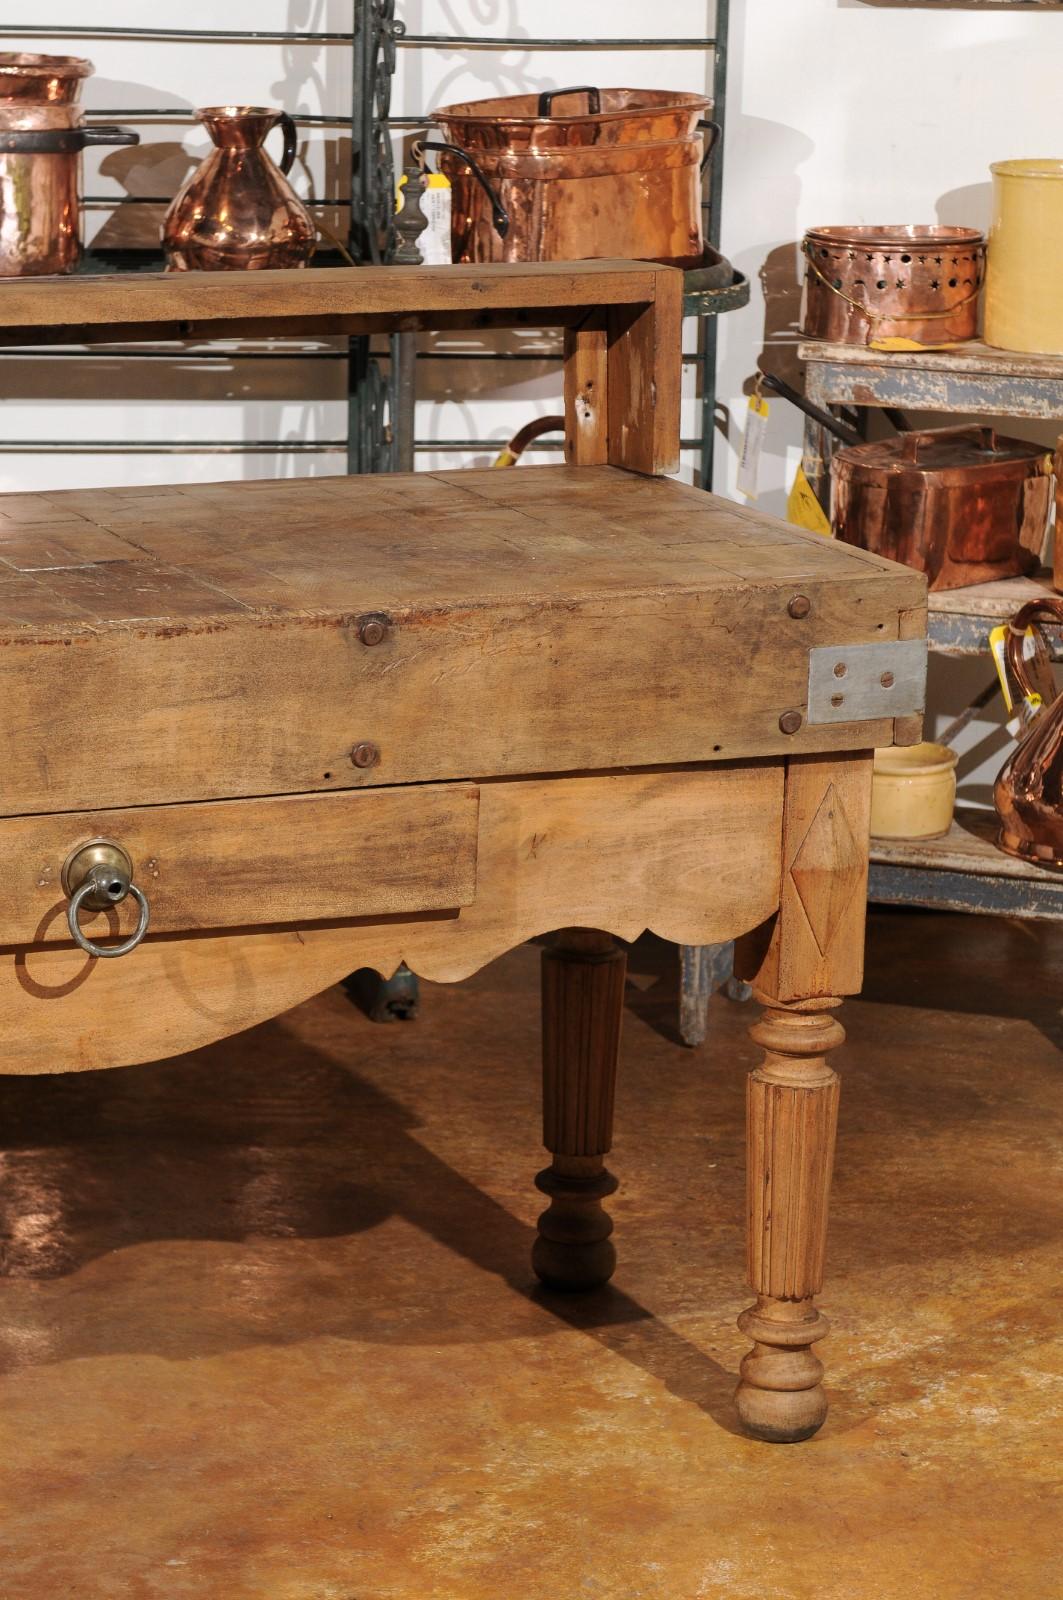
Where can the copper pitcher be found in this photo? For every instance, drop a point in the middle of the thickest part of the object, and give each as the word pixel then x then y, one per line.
pixel 41 140
pixel 238 211
pixel 1028 794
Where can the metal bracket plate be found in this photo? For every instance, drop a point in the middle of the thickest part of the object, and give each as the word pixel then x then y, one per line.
pixel 863 682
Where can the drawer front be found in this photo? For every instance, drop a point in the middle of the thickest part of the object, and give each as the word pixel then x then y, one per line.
pixel 247 863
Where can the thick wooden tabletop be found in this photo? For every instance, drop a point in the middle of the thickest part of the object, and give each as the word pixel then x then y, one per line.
pixel 84 560
pixel 539 619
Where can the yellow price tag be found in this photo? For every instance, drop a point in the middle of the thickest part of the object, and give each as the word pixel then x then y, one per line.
pixel 804 510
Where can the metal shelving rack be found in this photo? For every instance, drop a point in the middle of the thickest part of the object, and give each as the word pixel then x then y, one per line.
pixel 375 386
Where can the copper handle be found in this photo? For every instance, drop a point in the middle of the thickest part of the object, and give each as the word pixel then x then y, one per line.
pixel 1046 610
pixel 545 107
pixel 710 144
pixel 291 143
pixel 499 214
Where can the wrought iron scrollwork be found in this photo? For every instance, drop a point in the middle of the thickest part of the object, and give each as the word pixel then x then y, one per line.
pixel 372 169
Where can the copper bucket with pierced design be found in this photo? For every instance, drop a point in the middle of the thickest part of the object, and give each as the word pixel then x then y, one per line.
pixel 916 283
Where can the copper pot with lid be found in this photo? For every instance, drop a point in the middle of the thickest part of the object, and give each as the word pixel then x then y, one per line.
pixel 964 505
pixel 41 140
pixel 577 173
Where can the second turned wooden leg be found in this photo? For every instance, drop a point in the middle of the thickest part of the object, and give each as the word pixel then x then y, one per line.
pixel 583 997
pixel 792 1109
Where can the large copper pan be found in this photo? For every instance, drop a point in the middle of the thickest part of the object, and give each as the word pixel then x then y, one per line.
pixel 577 173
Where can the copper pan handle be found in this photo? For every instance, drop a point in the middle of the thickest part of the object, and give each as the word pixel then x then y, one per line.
pixel 499 214
pixel 545 107
pixel 984 437
pixel 716 132
pixel 1047 609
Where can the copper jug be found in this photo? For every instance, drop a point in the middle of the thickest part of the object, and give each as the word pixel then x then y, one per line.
pixel 41 140
pixel 237 210
pixel 1029 791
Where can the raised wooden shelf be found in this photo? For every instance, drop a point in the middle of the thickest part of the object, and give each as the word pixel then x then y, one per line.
pixel 964 871
pixel 959 620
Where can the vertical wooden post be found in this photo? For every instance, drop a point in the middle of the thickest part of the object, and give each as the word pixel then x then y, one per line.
pixel 583 997
pixel 645 374
pixel 813 954
pixel 587 393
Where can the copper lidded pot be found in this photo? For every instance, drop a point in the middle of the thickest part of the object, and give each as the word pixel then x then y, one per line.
pixel 1028 794
pixel 576 174
pixel 41 140
pixel 238 212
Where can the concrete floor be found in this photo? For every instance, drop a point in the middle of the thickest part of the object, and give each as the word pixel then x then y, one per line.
pixel 268 1330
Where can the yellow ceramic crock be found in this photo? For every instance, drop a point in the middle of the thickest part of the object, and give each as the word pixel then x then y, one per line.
pixel 913 791
pixel 1024 286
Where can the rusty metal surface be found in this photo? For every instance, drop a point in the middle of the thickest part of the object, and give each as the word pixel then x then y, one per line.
pixel 912 282
pixel 623 180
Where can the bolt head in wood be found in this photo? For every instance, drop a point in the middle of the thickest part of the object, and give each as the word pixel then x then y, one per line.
pixel 365 754
pixel 799 606
pixel 790 721
pixel 373 627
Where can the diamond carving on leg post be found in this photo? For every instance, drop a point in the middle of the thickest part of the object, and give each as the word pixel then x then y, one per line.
pixel 826 869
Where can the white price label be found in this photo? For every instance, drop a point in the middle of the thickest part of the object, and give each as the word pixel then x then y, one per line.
pixel 752 444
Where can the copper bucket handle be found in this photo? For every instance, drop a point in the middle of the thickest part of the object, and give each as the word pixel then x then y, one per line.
pixel 1047 609
pixel 499 214
pixel 545 107
pixel 984 437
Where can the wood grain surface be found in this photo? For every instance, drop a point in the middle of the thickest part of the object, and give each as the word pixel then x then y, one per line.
pixel 693 855
pixel 243 863
pixel 202 641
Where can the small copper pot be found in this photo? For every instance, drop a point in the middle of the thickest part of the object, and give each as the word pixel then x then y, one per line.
pixel 904 281
pixel 577 173
pixel 41 140
pixel 1028 794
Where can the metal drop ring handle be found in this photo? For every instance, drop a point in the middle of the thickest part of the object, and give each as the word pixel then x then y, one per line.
pixel 99 875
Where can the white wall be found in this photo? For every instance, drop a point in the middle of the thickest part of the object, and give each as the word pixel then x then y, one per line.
pixel 843 112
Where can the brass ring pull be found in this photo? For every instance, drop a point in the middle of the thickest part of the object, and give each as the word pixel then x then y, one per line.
pixel 99 875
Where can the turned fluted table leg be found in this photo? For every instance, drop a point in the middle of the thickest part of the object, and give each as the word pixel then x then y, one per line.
pixel 799 963
pixel 583 997
pixel 792 1112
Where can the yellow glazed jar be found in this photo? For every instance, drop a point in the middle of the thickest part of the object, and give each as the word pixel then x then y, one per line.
pixel 913 791
pixel 1023 286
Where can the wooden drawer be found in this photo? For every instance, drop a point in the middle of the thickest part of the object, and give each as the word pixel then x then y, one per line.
pixel 292 859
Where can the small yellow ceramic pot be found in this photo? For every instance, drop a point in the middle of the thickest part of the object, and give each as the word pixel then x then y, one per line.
pixel 913 792
pixel 1023 288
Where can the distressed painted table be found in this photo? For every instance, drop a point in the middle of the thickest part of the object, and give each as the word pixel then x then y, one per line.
pixel 321 724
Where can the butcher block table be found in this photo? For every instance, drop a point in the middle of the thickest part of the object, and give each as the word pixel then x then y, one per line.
pixel 256 735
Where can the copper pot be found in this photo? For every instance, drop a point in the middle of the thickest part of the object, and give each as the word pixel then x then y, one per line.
pixel 41 140
pixel 1028 794
pixel 899 281
pixel 1057 557
pixel 238 211
pixel 619 175
pixel 963 505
